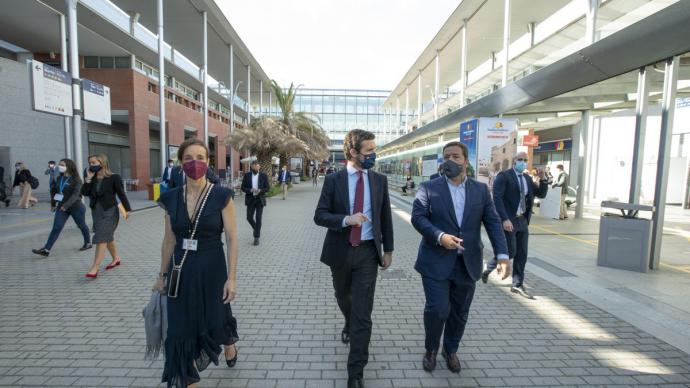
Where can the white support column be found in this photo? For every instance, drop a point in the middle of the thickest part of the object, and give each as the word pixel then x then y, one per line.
pixel 463 63
pixel 419 100
pixel 437 83
pixel 640 134
pixel 396 125
pixel 249 94
pixel 161 87
pixel 205 70
pixel 76 87
pixel 261 97
pixel 63 65
pixel 232 109
pixel 506 43
pixel 578 159
pixel 668 108
pixel 407 110
pixel 591 29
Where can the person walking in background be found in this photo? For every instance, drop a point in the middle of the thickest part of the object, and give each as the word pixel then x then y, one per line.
pixel 315 178
pixel 167 174
pixel 68 203
pixel 255 186
pixel 200 278
pixel 514 198
pixel 548 175
pixel 102 186
pixel 562 181
pixel 284 178
pixel 50 171
pixel 355 207
pixel 448 212
pixel 26 183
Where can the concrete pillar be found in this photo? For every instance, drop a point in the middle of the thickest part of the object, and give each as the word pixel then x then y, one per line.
pixel 506 42
pixel 640 133
pixel 79 157
pixel 161 87
pixel 205 70
pixel 63 64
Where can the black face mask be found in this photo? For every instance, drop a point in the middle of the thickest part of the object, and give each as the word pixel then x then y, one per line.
pixel 452 169
pixel 94 169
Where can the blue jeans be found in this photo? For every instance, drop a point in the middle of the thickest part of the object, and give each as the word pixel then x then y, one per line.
pixel 78 214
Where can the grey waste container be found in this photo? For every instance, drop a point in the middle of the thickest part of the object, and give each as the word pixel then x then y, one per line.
pixel 624 238
pixel 295 178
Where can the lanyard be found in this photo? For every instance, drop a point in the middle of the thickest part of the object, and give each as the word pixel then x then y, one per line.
pixel 63 183
pixel 197 206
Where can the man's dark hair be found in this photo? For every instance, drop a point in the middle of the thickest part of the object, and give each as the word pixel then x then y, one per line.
pixel 51 162
pixel 560 167
pixel 354 140
pixel 255 162
pixel 170 161
pixel 463 147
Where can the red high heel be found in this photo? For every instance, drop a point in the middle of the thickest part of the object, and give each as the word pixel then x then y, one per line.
pixel 91 275
pixel 112 265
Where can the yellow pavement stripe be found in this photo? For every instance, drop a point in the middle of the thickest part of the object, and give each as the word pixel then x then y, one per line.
pixel 671 266
pixel 34 221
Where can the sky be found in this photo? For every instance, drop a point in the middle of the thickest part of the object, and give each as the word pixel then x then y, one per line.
pixel 351 44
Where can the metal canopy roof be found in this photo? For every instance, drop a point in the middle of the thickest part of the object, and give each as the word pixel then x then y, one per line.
pixel 34 25
pixel 556 87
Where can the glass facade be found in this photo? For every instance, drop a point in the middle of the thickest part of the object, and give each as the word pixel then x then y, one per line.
pixel 341 110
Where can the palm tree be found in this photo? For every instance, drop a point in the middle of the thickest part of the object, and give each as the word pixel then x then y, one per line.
pixel 265 137
pixel 304 126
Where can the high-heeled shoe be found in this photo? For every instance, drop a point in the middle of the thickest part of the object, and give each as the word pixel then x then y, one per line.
pixel 231 362
pixel 113 265
pixel 91 275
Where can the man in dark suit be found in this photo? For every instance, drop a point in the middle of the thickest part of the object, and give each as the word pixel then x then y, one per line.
pixel 514 193
pixel 255 186
pixel 448 212
pixel 284 178
pixel 178 178
pixel 355 207
pixel 167 173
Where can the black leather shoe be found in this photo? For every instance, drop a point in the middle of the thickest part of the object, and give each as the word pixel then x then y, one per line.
pixel 231 362
pixel 43 252
pixel 429 361
pixel 256 241
pixel 355 383
pixel 520 290
pixel 345 336
pixel 485 276
pixel 452 361
pixel 86 247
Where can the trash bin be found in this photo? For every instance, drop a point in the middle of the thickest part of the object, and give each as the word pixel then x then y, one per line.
pixel 295 178
pixel 154 191
pixel 625 239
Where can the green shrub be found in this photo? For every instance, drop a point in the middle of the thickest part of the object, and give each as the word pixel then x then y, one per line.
pixel 306 179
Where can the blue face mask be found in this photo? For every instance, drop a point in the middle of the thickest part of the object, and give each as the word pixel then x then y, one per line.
pixel 520 166
pixel 369 161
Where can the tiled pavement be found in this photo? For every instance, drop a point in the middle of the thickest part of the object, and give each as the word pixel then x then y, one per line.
pixel 57 329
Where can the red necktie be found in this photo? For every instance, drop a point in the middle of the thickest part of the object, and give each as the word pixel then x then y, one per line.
pixel 356 231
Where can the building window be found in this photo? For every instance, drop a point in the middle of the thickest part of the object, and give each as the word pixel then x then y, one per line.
pixel 122 62
pixel 107 62
pixel 91 62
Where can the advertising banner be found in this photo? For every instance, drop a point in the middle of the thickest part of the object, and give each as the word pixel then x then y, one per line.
pixel 52 89
pixel 429 165
pixel 480 136
pixel 96 99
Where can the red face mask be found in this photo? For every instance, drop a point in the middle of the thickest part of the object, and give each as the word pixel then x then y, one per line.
pixel 194 169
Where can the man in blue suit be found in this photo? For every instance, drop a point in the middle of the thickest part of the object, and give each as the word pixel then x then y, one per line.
pixel 514 193
pixel 448 213
pixel 284 178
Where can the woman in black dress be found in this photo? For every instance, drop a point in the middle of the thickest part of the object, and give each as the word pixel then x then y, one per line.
pixel 200 279
pixel 102 186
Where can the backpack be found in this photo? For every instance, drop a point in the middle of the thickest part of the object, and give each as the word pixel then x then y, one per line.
pixel 33 182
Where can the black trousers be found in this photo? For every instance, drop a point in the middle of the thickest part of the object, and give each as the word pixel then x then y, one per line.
pixel 447 306
pixel 354 284
pixel 255 211
pixel 517 241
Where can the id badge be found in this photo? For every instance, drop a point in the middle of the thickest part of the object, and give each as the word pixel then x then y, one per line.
pixel 58 197
pixel 189 244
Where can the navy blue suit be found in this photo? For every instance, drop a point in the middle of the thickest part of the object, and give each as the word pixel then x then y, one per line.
pixel 287 178
pixel 449 278
pixel 506 192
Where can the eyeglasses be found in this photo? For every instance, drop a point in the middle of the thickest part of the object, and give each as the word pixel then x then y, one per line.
pixel 521 160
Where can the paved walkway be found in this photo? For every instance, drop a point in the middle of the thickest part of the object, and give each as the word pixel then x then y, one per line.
pixel 57 329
